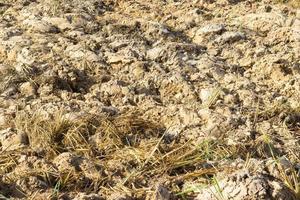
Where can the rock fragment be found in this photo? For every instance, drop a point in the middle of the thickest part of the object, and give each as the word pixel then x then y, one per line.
pixel 27 89
pixel 212 28
pixel 262 22
pixel 84 196
pixel 67 162
pixel 230 37
pixel 39 26
pixel 207 32
pixel 62 24
pixel 155 53
pixel 162 193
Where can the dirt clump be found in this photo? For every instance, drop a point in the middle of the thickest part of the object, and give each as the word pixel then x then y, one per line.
pixel 243 185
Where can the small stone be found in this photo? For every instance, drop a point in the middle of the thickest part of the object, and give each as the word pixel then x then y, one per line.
pixel 138 71
pixel 74 116
pixel 114 58
pixel 91 56
pixel 75 34
pixel 204 113
pixel 24 57
pixel 68 162
pixel 27 89
pixel 202 34
pixel 117 196
pixel 65 162
pixel 154 53
pixel 89 169
pixel 205 94
pixel 230 99
pixel 84 196
pixel 162 193
pixel 212 28
pixel 75 51
pixel 230 37
pixel 39 26
pixel 110 110
pixel 61 23
pixel 78 20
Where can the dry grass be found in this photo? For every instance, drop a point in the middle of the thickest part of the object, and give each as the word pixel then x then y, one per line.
pixel 130 154
pixel 287 120
pixel 133 153
pixel 290 178
pixel 43 131
pixel 8 161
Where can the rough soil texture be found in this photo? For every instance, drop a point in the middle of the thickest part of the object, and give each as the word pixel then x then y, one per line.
pixel 135 99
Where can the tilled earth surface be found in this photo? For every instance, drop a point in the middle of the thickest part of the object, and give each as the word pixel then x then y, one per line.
pixel 149 99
